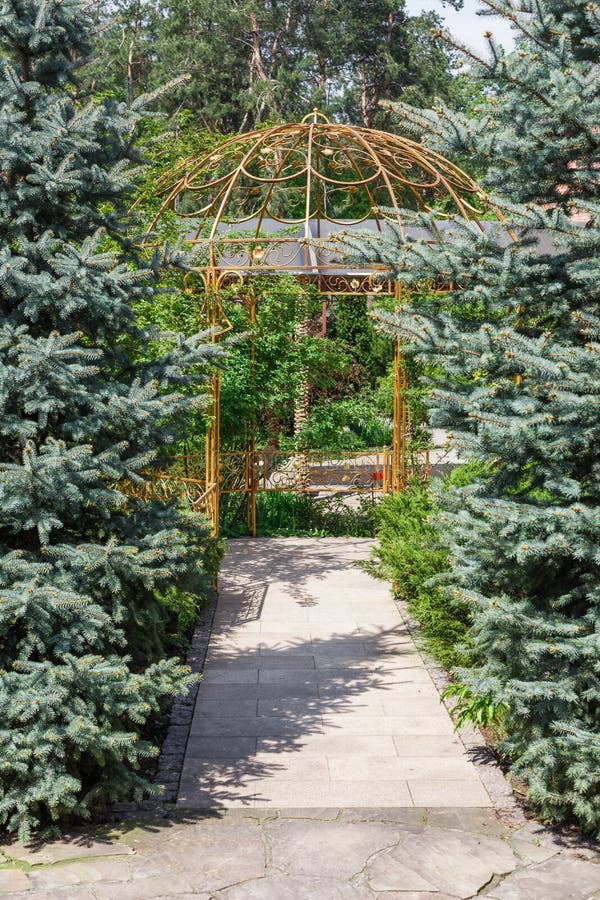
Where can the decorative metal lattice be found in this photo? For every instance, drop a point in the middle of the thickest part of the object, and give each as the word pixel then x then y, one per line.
pixel 257 204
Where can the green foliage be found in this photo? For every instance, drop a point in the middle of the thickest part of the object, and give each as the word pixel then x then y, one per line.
pixel 285 58
pixel 183 601
pixel 411 555
pixel 350 423
pixel 472 708
pixel 164 148
pixel 287 514
pixel 82 567
pixel 515 371
pixel 371 351
pixel 265 390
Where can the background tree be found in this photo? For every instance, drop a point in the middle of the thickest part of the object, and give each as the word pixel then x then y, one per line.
pixel 518 357
pixel 252 61
pixel 82 568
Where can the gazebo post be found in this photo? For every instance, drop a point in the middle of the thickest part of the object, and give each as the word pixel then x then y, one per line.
pixel 251 462
pixel 400 426
pixel 213 431
pixel 212 455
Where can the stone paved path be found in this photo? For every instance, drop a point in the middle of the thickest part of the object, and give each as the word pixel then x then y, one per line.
pixel 324 807
pixel 314 693
pixel 369 854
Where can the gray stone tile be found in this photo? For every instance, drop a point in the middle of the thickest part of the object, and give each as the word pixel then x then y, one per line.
pixel 378 768
pixel 478 821
pixel 558 878
pixel 13 880
pixel 214 853
pixel 219 746
pixel 236 658
pixel 169 885
pixel 212 801
pixel 416 895
pixel 257 725
pixel 230 771
pixel 269 629
pixel 459 865
pixel 294 887
pixel 280 794
pixel 353 723
pixel 69 892
pixel 387 874
pixel 411 706
pixel 93 871
pixel 259 691
pixel 229 675
pixel 278 676
pixel 73 846
pixel 221 708
pixel 290 767
pixel 296 647
pixel 332 676
pixel 532 853
pixel 325 849
pixel 455 792
pixel 282 661
pixel 285 707
pixel 431 745
pixel 336 745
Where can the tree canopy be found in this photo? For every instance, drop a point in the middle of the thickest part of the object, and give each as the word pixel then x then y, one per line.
pixel 251 62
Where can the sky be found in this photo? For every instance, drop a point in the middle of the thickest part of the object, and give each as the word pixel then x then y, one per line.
pixel 466 24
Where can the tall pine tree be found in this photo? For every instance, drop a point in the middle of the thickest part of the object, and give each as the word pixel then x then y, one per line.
pixel 81 566
pixel 517 346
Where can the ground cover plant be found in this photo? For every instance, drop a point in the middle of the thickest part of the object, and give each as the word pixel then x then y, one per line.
pixel 410 554
pixel 90 581
pixel 519 387
pixel 283 513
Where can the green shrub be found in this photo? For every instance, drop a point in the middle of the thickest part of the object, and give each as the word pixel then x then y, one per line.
pixel 474 708
pixel 411 555
pixel 285 514
pixel 182 602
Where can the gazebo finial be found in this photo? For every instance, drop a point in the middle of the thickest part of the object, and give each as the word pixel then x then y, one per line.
pixel 316 115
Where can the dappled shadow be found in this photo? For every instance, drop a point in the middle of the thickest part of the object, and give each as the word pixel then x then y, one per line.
pixel 260 561
pixel 259 706
pixel 268 705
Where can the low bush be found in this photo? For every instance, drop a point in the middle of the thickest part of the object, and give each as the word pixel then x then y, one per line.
pixel 285 514
pixel 181 603
pixel 411 554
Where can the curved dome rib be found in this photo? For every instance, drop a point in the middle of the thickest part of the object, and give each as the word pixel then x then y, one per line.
pixel 287 185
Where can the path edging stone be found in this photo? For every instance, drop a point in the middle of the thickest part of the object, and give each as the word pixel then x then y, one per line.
pixel 493 778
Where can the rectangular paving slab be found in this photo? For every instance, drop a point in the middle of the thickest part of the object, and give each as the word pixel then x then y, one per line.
pixel 314 692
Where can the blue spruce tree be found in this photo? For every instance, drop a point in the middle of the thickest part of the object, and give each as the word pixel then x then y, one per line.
pixel 516 343
pixel 82 567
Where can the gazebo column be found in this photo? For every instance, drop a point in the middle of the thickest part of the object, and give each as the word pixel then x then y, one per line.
pixel 212 455
pixel 213 318
pixel 400 428
pixel 302 404
pixel 251 474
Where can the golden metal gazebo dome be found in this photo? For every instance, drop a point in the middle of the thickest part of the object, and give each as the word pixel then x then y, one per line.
pixel 264 202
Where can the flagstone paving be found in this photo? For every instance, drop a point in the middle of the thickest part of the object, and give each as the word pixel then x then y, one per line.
pixel 320 764
pixel 320 854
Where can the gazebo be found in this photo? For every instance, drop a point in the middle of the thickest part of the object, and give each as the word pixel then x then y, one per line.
pixel 270 202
